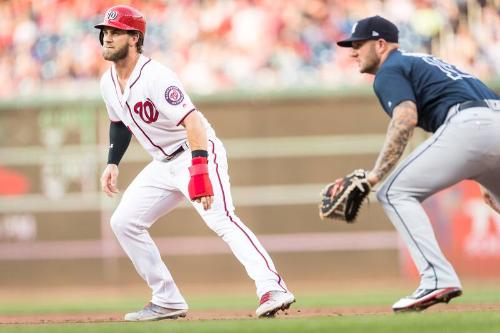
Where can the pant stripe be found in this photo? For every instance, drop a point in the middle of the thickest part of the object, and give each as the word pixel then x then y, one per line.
pixel 398 173
pixel 235 223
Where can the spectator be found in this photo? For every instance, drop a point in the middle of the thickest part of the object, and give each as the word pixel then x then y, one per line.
pixel 221 45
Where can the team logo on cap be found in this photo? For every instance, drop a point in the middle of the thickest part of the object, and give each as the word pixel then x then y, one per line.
pixel 111 15
pixel 354 27
pixel 174 95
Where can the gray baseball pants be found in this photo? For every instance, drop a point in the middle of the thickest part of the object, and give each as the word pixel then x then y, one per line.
pixel 466 146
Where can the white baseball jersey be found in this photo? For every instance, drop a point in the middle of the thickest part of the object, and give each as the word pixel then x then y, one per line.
pixel 153 104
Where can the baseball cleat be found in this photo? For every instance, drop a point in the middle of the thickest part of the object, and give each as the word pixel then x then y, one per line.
pixel 155 312
pixel 421 299
pixel 273 301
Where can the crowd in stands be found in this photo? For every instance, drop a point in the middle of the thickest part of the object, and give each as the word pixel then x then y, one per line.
pixel 51 46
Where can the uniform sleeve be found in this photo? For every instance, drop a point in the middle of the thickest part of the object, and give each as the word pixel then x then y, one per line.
pixel 111 114
pixel 171 99
pixel 392 88
pixel 104 93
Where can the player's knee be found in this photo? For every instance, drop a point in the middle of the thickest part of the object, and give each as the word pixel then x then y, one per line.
pixel 115 224
pixel 120 225
pixel 221 224
pixel 391 195
pixel 219 229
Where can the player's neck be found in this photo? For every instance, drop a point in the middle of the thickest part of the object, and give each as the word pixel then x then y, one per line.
pixel 125 67
pixel 386 54
pixel 389 51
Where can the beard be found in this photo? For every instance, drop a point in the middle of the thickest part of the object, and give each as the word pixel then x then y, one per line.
pixel 115 54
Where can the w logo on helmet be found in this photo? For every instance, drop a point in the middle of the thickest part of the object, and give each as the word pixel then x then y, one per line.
pixel 124 18
pixel 111 15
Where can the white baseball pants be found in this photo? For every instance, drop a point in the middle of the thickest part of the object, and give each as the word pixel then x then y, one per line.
pixel 158 189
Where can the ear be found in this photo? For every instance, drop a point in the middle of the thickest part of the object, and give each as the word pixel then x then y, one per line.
pixel 134 37
pixel 381 45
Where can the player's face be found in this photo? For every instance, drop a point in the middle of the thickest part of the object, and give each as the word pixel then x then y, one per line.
pixel 115 44
pixel 365 54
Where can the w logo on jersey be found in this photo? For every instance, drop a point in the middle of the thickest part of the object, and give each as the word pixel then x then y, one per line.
pixel 147 111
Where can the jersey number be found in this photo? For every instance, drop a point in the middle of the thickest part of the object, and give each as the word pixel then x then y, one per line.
pixel 147 111
pixel 451 71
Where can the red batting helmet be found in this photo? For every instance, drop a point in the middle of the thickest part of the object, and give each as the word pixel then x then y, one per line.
pixel 124 18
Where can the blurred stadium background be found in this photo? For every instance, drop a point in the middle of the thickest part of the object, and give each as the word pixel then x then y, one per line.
pixel 293 112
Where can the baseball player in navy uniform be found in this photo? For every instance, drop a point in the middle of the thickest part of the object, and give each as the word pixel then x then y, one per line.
pixel 146 99
pixel 464 116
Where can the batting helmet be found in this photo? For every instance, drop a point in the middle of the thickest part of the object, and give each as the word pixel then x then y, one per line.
pixel 124 18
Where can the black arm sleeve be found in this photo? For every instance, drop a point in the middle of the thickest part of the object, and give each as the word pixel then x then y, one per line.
pixel 119 139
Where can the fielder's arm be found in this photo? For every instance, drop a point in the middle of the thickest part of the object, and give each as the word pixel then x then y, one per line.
pixel 119 139
pixel 200 187
pixel 404 120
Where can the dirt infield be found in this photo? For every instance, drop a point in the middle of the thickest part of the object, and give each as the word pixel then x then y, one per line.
pixel 240 314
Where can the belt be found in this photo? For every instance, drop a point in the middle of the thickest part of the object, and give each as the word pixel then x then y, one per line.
pixel 174 154
pixel 473 104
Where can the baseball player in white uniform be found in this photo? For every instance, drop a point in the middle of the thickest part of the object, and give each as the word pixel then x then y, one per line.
pixel 145 98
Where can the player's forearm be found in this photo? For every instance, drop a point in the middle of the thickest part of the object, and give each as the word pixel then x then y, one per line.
pixel 398 134
pixel 119 139
pixel 196 132
pixel 200 187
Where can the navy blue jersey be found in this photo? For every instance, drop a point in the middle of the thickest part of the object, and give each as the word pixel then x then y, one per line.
pixel 431 83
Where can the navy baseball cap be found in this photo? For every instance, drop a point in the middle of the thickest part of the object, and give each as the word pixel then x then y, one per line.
pixel 374 27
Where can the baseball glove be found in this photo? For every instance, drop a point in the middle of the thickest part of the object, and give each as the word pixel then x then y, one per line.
pixel 343 198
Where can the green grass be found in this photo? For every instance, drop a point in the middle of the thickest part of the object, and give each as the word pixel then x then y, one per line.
pixel 470 321
pixel 424 322
pixel 232 302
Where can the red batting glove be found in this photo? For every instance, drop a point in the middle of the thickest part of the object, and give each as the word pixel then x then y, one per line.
pixel 199 184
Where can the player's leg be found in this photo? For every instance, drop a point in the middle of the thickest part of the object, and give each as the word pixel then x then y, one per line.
pixel 242 241
pixel 490 178
pixel 455 152
pixel 421 174
pixel 146 199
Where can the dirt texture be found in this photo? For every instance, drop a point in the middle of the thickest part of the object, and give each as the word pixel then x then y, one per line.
pixel 237 314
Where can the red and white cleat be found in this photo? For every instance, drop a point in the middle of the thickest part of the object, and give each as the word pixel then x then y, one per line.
pixel 274 301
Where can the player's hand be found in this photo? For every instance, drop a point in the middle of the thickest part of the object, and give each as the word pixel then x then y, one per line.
pixel 109 179
pixel 206 202
pixel 200 187
pixel 488 199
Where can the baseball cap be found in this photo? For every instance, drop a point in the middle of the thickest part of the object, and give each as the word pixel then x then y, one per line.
pixel 374 27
